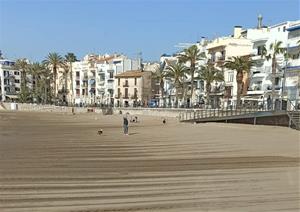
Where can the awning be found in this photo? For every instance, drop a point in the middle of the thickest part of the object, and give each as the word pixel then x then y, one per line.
pixel 293 28
pixel 12 96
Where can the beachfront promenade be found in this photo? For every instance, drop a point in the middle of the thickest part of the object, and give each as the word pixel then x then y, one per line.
pixel 58 162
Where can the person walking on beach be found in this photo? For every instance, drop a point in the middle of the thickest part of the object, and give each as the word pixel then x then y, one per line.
pixel 125 125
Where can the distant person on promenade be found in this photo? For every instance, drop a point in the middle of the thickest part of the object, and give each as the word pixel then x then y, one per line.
pixel 125 125
pixel 269 103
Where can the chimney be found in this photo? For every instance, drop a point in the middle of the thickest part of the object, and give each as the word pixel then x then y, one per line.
pixel 259 21
pixel 237 31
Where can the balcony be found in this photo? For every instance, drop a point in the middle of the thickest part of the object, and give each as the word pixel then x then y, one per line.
pixel 118 96
pixel 134 97
pixel 221 59
pixel 257 57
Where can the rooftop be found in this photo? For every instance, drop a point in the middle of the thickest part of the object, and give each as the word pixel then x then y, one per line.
pixel 133 73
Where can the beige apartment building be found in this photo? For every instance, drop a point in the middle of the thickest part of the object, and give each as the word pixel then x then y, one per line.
pixel 133 88
pixel 223 49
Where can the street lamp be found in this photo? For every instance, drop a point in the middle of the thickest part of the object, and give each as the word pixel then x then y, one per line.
pixel 284 77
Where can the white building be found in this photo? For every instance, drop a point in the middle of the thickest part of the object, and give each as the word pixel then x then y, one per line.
pixel 93 77
pixel 292 71
pixel 261 74
pixel 10 81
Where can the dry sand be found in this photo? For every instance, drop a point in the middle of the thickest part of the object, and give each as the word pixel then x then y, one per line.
pixel 58 162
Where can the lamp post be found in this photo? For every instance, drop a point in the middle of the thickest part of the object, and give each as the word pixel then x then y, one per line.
pixel 284 77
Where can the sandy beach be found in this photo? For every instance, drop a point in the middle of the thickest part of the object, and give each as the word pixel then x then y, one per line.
pixel 58 162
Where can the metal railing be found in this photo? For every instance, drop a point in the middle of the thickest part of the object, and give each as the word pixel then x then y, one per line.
pixel 217 113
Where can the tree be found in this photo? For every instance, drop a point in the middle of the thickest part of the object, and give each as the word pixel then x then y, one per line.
pixel 55 61
pixel 240 65
pixel 176 72
pixel 23 66
pixel 45 85
pixel 71 58
pixel 209 74
pixel 35 70
pixel 160 75
pixel 64 81
pixel 191 55
pixel 274 50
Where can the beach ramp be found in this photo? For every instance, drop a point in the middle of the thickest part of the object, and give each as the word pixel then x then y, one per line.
pixel 277 118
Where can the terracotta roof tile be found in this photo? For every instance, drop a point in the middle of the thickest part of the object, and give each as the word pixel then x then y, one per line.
pixel 134 73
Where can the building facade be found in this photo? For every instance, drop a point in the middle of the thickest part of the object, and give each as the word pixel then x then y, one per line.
pixel 292 71
pixel 10 81
pixel 133 88
pixel 94 78
pixel 224 49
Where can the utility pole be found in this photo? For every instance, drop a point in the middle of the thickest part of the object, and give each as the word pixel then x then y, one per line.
pixel 284 75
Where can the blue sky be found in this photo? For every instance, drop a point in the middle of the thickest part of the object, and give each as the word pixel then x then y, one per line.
pixel 33 28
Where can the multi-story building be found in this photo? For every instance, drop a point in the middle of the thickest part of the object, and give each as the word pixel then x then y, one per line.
pixel 133 88
pixel 224 49
pixel 93 77
pixel 260 87
pixel 292 70
pixel 10 80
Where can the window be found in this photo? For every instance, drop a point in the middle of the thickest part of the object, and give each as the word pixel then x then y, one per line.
pixel 17 89
pixel 77 74
pixel 294 34
pixel 119 80
pixel 83 91
pixel 260 50
pixel 16 73
pixel 223 55
pixel 277 81
pixel 213 57
pixel 135 80
pixel 77 83
pixel 230 77
pixel 77 92
pixel 278 29
pixel 135 92
pixel 119 92
pixel 126 93
pixel 284 28
pixel 295 56
pixel 17 81
pixel 111 75
pixel 126 83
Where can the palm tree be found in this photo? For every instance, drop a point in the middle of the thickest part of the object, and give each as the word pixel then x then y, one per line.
pixel 160 75
pixel 35 71
pixel 209 74
pixel 176 72
pixel 46 77
pixel 23 66
pixel 55 61
pixel 271 53
pixel 191 55
pixel 71 58
pixel 64 81
pixel 240 65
